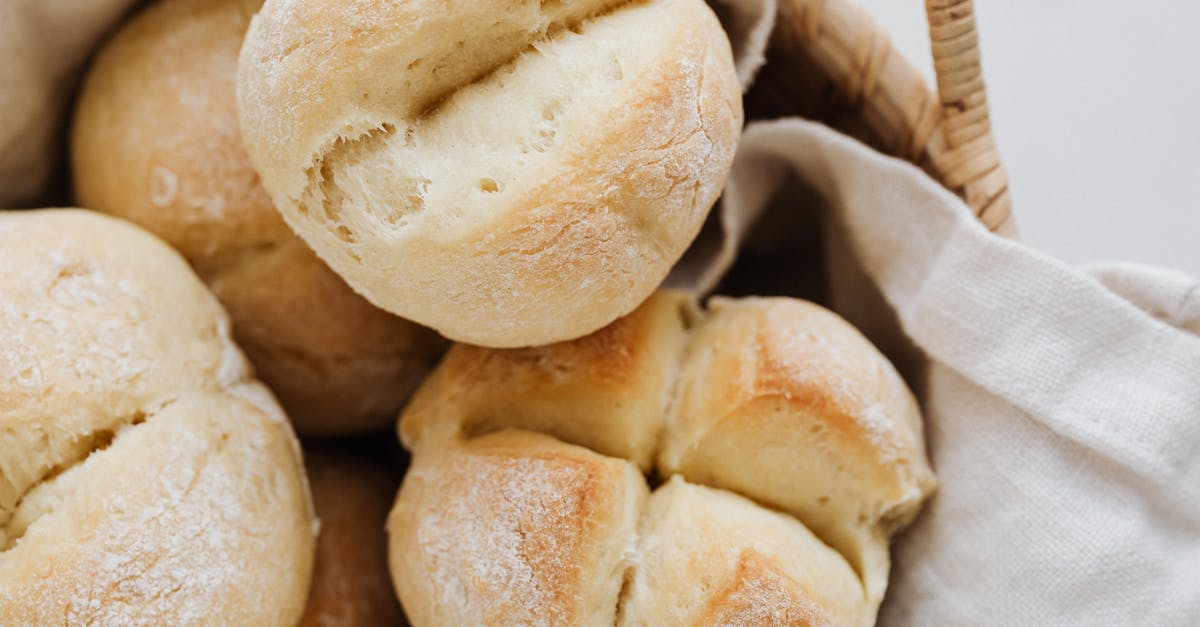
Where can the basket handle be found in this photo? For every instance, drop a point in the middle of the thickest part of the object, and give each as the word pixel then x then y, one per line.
pixel 971 162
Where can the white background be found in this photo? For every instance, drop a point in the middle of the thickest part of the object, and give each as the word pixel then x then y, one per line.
pixel 1096 109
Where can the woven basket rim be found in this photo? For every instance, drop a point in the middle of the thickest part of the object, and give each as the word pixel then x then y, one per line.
pixel 948 131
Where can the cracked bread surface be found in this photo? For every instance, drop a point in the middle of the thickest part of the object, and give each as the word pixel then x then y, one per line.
pixel 511 173
pixel 145 476
pixel 785 452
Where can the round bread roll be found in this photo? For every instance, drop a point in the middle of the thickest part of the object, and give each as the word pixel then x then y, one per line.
pixel 145 477
pixel 351 586
pixel 156 141
pixel 510 174
pixel 792 448
pixel 513 528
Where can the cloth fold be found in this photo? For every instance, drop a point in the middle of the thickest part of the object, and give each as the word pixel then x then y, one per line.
pixel 1062 406
pixel 43 44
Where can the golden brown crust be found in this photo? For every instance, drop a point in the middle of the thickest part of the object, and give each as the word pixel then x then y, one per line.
pixel 156 141
pixel 614 384
pixel 155 138
pixel 561 208
pixel 772 398
pixel 513 528
pixel 711 557
pixel 796 375
pixel 144 476
pixel 759 592
pixel 324 350
pixel 351 586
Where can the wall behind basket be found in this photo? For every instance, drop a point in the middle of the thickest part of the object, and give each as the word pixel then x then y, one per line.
pixel 1096 108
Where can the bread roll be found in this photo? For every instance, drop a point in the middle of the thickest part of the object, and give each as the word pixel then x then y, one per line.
pixel 145 477
pixel 615 385
pixel 156 141
pixel 351 586
pixel 513 528
pixel 795 375
pixel 769 402
pixel 510 174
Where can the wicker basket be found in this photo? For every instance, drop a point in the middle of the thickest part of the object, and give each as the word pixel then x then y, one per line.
pixel 829 61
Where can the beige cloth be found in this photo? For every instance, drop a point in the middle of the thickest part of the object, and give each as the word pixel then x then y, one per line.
pixel 43 43
pixel 1062 406
pixel 749 24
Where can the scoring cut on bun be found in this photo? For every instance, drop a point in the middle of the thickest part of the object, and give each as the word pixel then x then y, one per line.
pixel 145 477
pixel 508 173
pixel 811 398
pixel 791 450
pixel 711 557
pixel 156 141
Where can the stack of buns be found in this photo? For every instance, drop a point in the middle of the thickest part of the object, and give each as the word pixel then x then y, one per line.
pixel 785 448
pixel 347 184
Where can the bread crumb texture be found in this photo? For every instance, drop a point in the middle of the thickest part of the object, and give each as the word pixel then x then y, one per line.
pixel 509 173
pixel 145 477
pixel 782 451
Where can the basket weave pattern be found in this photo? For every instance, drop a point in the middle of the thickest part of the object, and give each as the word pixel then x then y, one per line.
pixel 832 62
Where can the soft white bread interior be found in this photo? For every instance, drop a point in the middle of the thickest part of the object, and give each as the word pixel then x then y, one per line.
pixel 809 442
pixel 510 173
pixel 145 477
pixel 156 141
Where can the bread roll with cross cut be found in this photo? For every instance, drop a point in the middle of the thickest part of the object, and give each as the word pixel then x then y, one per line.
pixel 145 476
pixel 508 173
pixel 790 451
pixel 156 141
